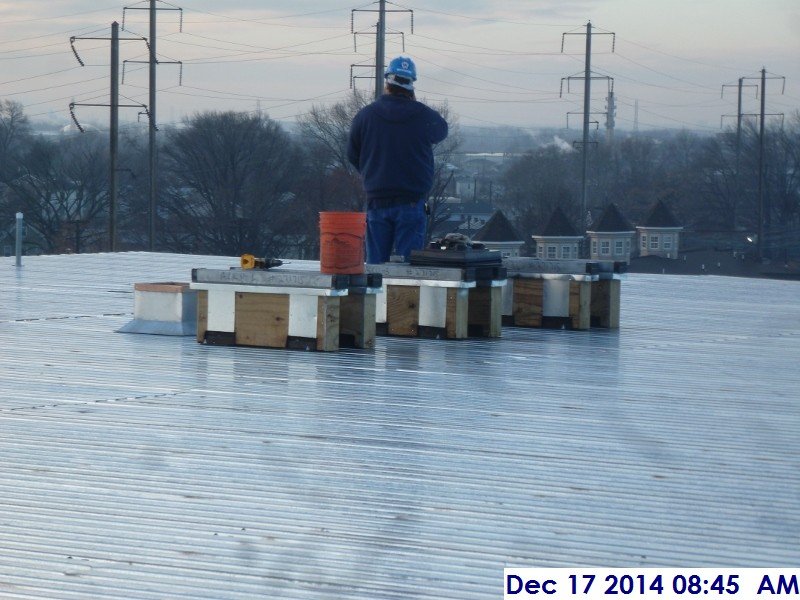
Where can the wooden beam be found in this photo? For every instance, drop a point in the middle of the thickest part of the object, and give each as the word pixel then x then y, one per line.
pixel 457 313
pixel 580 294
pixel 328 323
pixel 357 320
pixel 202 315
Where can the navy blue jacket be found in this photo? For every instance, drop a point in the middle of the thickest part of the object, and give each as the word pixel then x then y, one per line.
pixel 391 145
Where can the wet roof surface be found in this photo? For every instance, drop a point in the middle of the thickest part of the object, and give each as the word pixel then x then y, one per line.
pixel 139 466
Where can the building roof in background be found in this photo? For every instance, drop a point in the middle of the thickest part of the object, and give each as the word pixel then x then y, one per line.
pixel 612 220
pixel 155 467
pixel 661 216
pixel 497 229
pixel 477 207
pixel 559 225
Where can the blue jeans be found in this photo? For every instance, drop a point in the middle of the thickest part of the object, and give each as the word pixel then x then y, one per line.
pixel 401 227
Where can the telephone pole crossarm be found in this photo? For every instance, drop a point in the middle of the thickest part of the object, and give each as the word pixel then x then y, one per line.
pixel 76 38
pixel 607 78
pixel 168 7
pixel 158 62
pixel 612 34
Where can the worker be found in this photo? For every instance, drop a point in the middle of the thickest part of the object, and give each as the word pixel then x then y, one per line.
pixel 391 145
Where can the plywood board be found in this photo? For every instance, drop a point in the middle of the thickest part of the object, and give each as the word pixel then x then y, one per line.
pixel 262 319
pixel 402 310
pixel 528 302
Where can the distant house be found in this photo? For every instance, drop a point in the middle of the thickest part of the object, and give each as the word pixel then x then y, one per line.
pixel 499 234
pixel 610 236
pixel 659 235
pixel 464 217
pixel 558 238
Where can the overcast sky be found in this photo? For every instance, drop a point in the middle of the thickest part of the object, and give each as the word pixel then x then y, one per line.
pixel 495 62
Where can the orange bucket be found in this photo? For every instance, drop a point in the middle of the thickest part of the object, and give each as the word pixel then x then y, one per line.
pixel 341 242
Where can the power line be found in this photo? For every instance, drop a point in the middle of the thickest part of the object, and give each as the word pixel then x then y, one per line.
pixel 270 20
pixel 258 49
pixel 39 55
pixel 517 87
pixel 498 51
pixel 484 19
pixel 58 17
pixel 80 30
pixel 655 85
pixel 37 76
pixel 705 87
pixel 683 58
pixel 481 89
pixel 655 114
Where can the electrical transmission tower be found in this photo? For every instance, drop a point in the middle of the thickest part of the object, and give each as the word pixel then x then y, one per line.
pixel 153 62
pixel 587 82
pixel 380 42
pixel 738 115
pixel 764 207
pixel 114 107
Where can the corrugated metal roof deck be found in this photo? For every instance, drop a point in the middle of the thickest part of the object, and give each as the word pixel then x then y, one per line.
pixel 138 466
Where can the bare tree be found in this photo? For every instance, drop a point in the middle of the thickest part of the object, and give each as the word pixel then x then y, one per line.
pixel 62 187
pixel 539 182
pixel 325 130
pixel 231 179
pixel 14 131
pixel 438 210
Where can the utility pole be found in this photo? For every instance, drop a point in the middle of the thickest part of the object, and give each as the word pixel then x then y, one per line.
pixel 764 207
pixel 636 116
pixel 587 83
pixel 113 129
pixel 587 96
pixel 113 143
pixel 739 123
pixel 153 62
pixel 611 107
pixel 151 221
pixel 380 43
pixel 380 49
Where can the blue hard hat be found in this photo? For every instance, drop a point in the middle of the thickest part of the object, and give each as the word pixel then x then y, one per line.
pixel 401 72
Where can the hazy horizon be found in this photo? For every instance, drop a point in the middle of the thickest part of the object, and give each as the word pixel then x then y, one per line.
pixel 494 63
